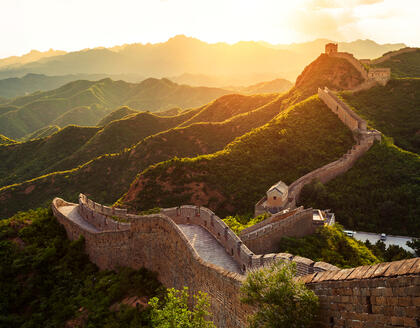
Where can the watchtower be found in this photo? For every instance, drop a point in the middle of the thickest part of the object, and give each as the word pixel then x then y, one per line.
pixel 331 48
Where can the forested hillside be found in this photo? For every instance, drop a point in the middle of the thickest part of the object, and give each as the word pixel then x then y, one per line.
pixel 47 280
pixel 403 65
pixel 106 178
pixel 87 102
pixel 392 109
pixel 300 139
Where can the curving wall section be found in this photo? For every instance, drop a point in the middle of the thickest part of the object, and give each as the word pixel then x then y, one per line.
pixel 157 243
pixel 352 60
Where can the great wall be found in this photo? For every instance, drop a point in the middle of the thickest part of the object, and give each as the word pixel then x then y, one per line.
pixel 191 246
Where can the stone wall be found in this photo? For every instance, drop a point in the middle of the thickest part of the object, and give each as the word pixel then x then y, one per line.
pixel 265 239
pixel 156 243
pixel 352 60
pixel 94 214
pixel 329 171
pixel 342 110
pixel 383 295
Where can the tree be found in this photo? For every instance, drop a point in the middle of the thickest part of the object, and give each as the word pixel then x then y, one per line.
pixel 174 312
pixel 281 301
pixel 414 244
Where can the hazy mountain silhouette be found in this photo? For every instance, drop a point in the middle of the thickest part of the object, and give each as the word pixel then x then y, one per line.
pixel 182 54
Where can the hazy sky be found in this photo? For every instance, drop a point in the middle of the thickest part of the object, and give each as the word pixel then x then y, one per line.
pixel 77 24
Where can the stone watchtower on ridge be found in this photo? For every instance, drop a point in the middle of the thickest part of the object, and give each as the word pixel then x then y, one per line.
pixel 331 48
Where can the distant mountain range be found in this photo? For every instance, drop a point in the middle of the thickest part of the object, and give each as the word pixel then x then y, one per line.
pixel 242 63
pixel 19 86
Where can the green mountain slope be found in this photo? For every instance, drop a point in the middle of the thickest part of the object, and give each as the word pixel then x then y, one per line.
pixel 81 115
pixel 108 177
pixel 87 102
pixel 46 280
pixel 22 161
pixel 116 115
pixel 381 193
pixel 298 140
pixel 42 132
pixel 403 65
pixel 121 134
pixel 228 106
pixel 393 110
pixel 5 141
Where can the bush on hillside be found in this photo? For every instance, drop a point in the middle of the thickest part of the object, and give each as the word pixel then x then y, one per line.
pixel 174 311
pixel 379 194
pixel 330 244
pixel 281 301
pixel 47 280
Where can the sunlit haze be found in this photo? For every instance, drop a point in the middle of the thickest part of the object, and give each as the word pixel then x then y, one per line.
pixel 76 24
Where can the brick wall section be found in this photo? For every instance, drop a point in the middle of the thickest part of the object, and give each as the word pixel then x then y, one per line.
pixel 157 243
pixel 266 238
pixel 384 295
pixel 190 214
pixel 271 219
pixel 92 213
pixel 352 60
pixel 329 171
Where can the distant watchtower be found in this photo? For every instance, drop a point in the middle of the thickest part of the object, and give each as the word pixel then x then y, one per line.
pixel 331 48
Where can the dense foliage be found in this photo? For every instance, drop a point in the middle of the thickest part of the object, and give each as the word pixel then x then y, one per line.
pixel 174 311
pixel 42 132
pixel 87 102
pixel 329 244
pixel 240 222
pixel 231 181
pixel 117 115
pixel 47 280
pixel 106 178
pixel 392 109
pixel 281 301
pixel 26 160
pixel 381 193
pixel 388 254
pixel 5 141
pixel 403 65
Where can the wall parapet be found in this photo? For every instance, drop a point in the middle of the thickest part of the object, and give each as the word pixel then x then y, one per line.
pixel 381 295
pixel 352 60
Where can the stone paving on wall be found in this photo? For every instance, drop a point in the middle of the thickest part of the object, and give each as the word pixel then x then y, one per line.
pixel 208 247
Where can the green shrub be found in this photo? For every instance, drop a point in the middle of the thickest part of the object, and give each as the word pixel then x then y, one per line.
pixel 330 244
pixel 281 301
pixel 174 311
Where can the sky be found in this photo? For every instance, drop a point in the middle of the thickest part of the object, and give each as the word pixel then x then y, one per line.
pixel 78 24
